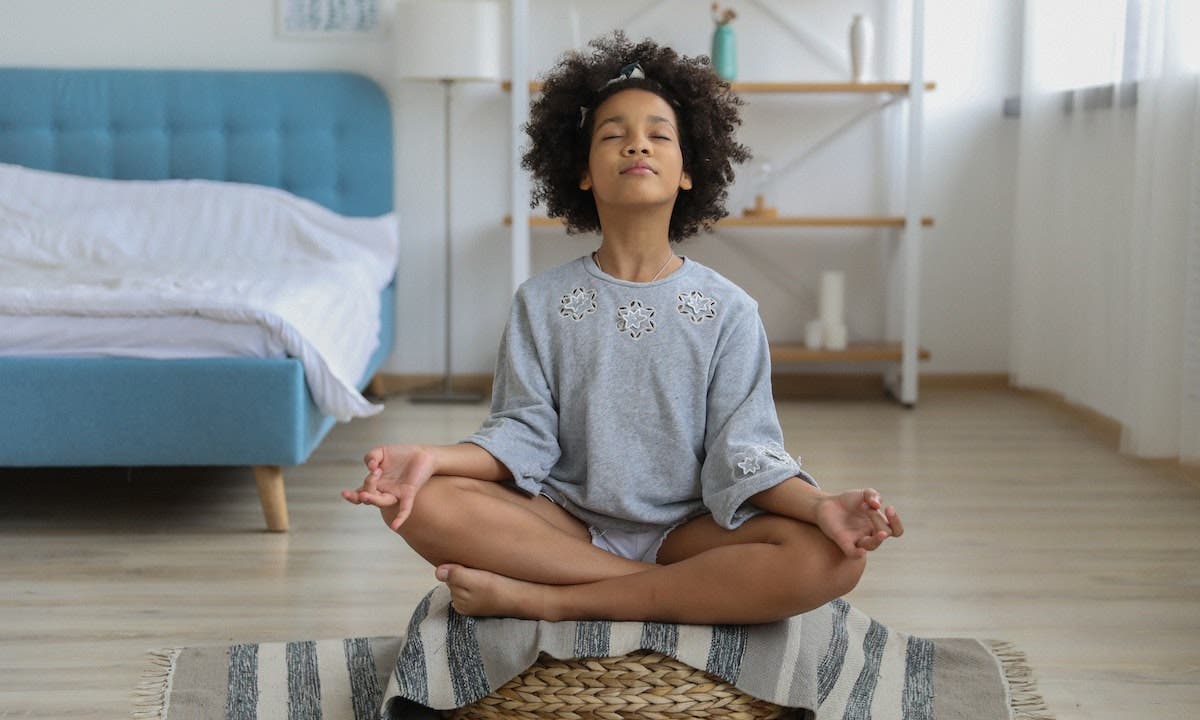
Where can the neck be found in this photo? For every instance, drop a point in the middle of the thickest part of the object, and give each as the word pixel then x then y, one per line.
pixel 638 265
pixel 636 248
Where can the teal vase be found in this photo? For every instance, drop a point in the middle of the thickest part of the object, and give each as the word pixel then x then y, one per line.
pixel 724 53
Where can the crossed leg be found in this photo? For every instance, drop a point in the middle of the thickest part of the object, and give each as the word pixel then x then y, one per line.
pixel 503 554
pixel 490 526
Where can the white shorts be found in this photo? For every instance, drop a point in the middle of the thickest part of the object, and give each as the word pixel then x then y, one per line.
pixel 641 545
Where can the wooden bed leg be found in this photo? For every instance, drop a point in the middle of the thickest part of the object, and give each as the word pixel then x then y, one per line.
pixel 377 387
pixel 270 493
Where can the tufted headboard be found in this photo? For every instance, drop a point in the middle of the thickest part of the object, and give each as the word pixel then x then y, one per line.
pixel 325 136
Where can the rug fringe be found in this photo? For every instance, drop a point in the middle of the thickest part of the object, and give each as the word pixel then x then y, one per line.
pixel 151 698
pixel 1024 700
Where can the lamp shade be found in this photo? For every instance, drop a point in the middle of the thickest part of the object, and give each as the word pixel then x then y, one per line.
pixel 448 39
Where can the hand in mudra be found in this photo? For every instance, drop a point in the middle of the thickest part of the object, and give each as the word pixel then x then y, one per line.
pixel 857 521
pixel 395 473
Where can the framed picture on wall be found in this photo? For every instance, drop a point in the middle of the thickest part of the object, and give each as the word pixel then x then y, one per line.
pixel 322 18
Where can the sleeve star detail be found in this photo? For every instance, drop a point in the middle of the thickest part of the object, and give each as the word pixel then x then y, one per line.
pixel 635 319
pixel 748 466
pixel 759 457
pixel 578 303
pixel 696 307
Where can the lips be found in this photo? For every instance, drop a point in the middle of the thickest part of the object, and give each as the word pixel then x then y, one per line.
pixel 638 168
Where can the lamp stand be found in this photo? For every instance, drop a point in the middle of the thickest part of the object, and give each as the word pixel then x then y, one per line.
pixel 446 393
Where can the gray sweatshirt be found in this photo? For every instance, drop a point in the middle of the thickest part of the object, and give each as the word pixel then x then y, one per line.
pixel 637 405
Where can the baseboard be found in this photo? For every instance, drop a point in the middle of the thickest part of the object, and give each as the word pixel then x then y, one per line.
pixel 1102 426
pixel 870 386
pixel 1108 431
pixel 786 385
pixel 828 386
pixel 1191 471
pixel 966 381
pixel 404 383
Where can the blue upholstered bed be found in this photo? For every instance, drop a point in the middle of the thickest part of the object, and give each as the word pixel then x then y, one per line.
pixel 324 136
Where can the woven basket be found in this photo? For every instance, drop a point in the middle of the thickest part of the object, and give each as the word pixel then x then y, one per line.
pixel 639 686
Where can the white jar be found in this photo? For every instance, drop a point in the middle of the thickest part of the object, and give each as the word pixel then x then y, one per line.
pixel 862 47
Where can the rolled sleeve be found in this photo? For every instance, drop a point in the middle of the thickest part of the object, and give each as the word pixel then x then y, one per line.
pixel 521 431
pixel 743 443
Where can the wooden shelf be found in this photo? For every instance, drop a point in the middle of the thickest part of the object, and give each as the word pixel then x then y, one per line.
pixel 863 352
pixel 893 221
pixel 794 87
pixel 825 87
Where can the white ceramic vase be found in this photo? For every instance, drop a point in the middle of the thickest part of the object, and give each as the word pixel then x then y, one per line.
pixel 862 46
pixel 832 310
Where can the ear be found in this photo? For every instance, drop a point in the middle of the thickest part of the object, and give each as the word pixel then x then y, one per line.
pixel 685 182
pixel 585 183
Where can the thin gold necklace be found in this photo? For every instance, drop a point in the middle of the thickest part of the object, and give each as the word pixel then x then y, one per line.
pixel 596 259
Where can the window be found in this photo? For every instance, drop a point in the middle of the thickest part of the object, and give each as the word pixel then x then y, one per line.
pixel 1076 43
pixel 1096 51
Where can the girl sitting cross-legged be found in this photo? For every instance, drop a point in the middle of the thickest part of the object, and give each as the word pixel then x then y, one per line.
pixel 632 467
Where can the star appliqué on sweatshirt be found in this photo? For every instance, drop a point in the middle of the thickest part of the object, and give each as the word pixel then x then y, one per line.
pixel 695 306
pixel 578 303
pixel 635 319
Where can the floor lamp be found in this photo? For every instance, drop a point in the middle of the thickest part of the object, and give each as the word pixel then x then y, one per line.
pixel 448 41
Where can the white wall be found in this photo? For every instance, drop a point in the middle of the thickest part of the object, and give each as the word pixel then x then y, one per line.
pixel 973 52
pixel 969 154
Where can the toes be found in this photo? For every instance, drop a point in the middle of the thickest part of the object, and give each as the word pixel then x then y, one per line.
pixel 444 571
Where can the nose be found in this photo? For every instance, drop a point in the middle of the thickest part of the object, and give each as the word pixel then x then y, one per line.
pixel 637 146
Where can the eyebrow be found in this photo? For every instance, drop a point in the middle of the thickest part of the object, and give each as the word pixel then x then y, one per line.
pixel 656 119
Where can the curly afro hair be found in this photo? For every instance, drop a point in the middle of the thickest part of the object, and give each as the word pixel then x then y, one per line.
pixel 706 107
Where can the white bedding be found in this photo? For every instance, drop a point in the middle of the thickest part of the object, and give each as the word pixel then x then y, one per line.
pixel 160 338
pixel 74 249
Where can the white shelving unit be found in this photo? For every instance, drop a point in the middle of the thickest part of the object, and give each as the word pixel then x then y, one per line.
pixel 901 357
pixel 519 96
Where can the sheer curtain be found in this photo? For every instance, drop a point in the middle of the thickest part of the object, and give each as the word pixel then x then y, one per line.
pixel 1106 303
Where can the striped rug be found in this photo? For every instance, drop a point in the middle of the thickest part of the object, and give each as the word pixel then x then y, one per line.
pixel 834 660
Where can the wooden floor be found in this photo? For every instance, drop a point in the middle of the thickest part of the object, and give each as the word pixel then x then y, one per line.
pixel 1022 525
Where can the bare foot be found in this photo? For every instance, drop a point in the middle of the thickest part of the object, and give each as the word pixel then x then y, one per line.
pixel 485 594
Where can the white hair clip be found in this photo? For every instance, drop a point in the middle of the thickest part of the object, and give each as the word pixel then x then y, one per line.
pixel 632 71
